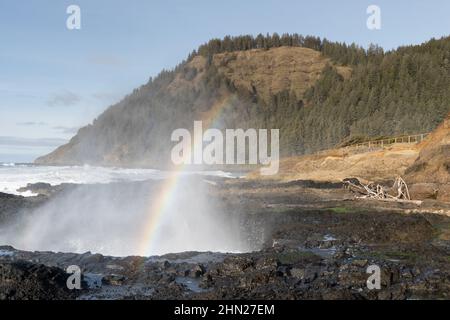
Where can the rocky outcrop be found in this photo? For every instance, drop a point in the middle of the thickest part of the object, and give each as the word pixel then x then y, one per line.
pixel 23 280
pixel 11 205
pixel 424 191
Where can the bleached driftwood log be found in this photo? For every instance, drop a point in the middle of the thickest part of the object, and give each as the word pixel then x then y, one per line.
pixel 402 189
pixel 378 192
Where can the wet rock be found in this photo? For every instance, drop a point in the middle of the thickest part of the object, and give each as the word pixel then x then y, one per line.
pixel 164 265
pixel 167 278
pixel 359 263
pixel 267 263
pixel 198 270
pixel 113 280
pixel 282 271
pixel 11 205
pixel 114 267
pixel 38 188
pixel 397 292
pixel 174 270
pixel 237 264
pixel 407 274
pixel 298 273
pixel 92 259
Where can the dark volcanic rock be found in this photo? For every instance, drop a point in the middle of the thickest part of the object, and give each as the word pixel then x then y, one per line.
pixel 39 188
pixel 305 248
pixel 11 205
pixel 46 189
pixel 23 280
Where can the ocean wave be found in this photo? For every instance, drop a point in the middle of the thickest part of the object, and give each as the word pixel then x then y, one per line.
pixel 10 164
pixel 15 177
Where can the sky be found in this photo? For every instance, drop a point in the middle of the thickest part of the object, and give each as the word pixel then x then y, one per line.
pixel 54 80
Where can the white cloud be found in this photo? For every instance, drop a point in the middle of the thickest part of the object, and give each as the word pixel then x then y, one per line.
pixel 32 123
pixel 63 99
pixel 67 130
pixel 107 97
pixel 30 142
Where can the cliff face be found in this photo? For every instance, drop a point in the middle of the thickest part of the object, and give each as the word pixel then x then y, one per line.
pixel 315 92
pixel 431 171
pixel 433 163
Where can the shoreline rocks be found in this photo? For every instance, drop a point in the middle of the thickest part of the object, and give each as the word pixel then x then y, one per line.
pixel 311 242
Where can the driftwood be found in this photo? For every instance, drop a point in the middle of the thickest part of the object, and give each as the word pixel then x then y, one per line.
pixel 399 192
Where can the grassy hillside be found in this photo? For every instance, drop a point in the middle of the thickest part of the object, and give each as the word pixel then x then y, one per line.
pixel 316 92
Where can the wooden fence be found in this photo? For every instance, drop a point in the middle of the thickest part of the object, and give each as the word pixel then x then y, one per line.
pixel 416 138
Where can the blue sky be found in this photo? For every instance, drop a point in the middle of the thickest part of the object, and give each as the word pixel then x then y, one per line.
pixel 54 80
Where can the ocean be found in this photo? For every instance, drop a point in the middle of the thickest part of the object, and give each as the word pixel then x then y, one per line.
pixel 14 176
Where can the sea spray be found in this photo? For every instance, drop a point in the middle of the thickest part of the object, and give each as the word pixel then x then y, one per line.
pixel 110 219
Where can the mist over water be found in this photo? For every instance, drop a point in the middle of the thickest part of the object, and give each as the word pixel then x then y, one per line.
pixel 195 221
pixel 113 219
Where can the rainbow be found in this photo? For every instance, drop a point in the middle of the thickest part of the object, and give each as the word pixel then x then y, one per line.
pixel 165 195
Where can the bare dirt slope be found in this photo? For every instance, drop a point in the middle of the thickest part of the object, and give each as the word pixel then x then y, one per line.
pixel 433 163
pixel 431 171
pixel 336 165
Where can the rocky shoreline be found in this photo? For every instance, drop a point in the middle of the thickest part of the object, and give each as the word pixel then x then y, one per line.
pixel 311 241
